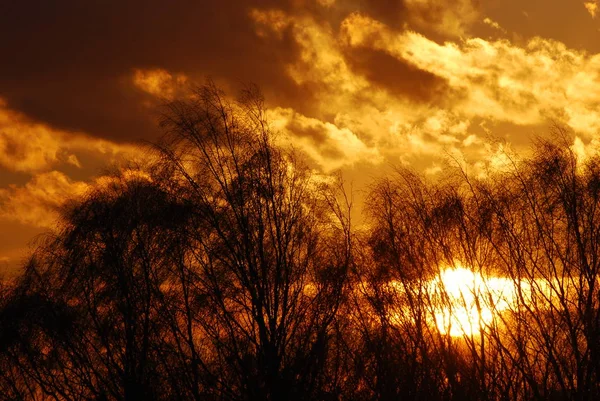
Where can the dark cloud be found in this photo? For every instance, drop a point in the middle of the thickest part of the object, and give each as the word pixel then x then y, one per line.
pixel 393 13
pixel 67 62
pixel 438 19
pixel 398 77
pixel 316 134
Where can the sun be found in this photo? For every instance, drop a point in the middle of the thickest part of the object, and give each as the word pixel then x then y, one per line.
pixel 465 302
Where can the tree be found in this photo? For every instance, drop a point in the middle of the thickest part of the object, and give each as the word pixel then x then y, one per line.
pixel 89 306
pixel 267 260
pixel 535 225
pixel 226 270
pixel 215 273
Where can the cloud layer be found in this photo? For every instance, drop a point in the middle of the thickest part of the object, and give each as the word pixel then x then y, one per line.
pixel 350 83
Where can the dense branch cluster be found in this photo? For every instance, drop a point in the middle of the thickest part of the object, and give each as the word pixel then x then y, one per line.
pixel 228 271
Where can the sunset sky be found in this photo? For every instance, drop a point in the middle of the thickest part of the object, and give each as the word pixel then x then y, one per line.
pixel 357 85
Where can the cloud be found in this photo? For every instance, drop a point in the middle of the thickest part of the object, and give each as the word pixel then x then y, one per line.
pixel 441 18
pixel 320 60
pixel 493 24
pixel 70 65
pixel 37 202
pixel 452 18
pixel 28 146
pixel 585 150
pixel 369 74
pixel 498 80
pixel 367 105
pixel 397 80
pixel 326 3
pixel 159 82
pixel 331 147
pixel 591 7
pixel 124 174
pixel 395 76
pixel 350 83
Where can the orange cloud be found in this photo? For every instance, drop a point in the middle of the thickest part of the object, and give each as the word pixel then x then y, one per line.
pixel 320 59
pixel 452 18
pixel 488 81
pixel 326 3
pixel 498 80
pixel 493 24
pixel 28 146
pixel 330 146
pixel 591 7
pixel 367 122
pixel 159 82
pixel 37 202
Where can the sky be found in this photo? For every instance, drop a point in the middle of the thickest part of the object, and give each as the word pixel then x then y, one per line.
pixel 358 86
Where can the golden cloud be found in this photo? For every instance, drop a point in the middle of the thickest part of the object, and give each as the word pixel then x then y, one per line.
pixel 37 202
pixel 369 122
pixel 159 82
pixel 328 145
pixel 591 7
pixel 490 81
pixel 28 146
pixel 493 24
pixel 452 18
pixel 320 59
pixel 498 80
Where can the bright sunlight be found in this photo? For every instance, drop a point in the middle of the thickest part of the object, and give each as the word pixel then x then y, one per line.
pixel 465 302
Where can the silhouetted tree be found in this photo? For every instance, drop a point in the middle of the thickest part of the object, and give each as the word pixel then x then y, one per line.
pixel 268 261
pixel 89 306
pixel 227 270
pixel 216 273
pixel 535 223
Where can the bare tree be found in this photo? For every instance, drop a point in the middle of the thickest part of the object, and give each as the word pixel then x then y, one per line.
pixel 227 270
pixel 535 225
pixel 217 273
pixel 267 260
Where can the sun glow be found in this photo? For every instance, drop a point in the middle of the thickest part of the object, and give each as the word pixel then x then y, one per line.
pixel 460 301
pixel 465 302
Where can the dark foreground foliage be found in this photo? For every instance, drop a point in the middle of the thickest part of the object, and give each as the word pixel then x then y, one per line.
pixel 226 271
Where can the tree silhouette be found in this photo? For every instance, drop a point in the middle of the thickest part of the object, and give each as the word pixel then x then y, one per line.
pixel 216 277
pixel 269 277
pixel 227 270
pixel 535 224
